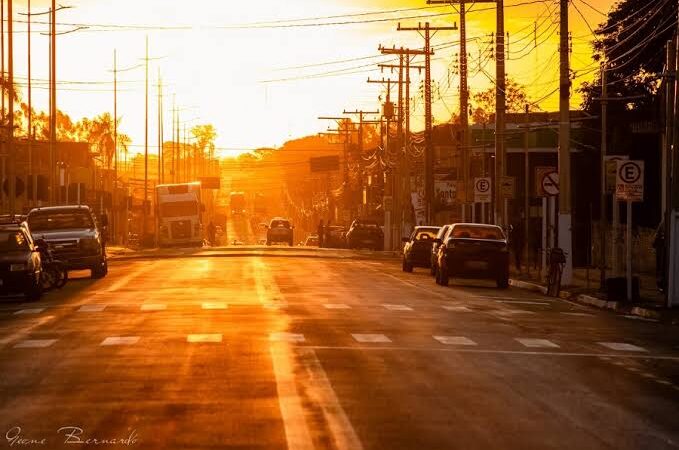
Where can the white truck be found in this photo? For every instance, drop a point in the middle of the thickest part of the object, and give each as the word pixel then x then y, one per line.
pixel 179 214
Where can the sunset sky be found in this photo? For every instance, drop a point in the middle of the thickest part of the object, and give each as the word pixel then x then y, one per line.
pixel 261 84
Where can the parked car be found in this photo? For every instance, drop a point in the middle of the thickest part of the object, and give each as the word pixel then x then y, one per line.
pixel 311 241
pixel 20 261
pixel 335 237
pixel 279 231
pixel 442 234
pixel 417 248
pixel 74 236
pixel 474 251
pixel 365 235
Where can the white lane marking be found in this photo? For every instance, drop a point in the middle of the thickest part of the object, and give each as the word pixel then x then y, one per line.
pixel 454 340
pixel 537 343
pixel 622 347
pixel 495 352
pixel 203 338
pixel 515 302
pixel 336 306
pixel 25 332
pixel 130 276
pixel 576 314
pixel 456 308
pixel 372 338
pixel 30 311
pixel 92 308
pixel 294 422
pixel 214 305
pixel 36 343
pixel 286 337
pixel 153 307
pixel 120 340
pixel 319 390
pixel 665 382
pixel 398 307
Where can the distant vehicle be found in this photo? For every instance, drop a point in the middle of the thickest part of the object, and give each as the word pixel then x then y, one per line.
pixel 311 241
pixel 443 232
pixel 237 202
pixel 279 231
pixel 335 237
pixel 474 251
pixel 365 235
pixel 74 236
pixel 20 262
pixel 179 215
pixel 417 248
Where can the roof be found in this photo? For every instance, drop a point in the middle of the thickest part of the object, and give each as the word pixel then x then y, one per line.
pixel 61 208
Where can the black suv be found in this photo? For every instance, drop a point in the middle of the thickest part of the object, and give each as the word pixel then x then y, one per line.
pixel 74 236
pixel 20 263
pixel 365 235
pixel 280 231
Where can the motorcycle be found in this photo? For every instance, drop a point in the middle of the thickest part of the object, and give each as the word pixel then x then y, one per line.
pixel 54 272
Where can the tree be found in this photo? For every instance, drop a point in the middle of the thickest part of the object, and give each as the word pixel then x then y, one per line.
pixel 516 100
pixel 631 42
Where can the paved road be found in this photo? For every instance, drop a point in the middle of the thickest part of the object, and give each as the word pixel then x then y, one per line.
pixel 325 353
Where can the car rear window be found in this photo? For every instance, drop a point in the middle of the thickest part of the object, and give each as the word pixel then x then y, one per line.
pixel 11 241
pixel 422 235
pixel 476 232
pixel 280 224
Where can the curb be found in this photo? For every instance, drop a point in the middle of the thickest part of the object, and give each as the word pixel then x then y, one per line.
pixel 595 302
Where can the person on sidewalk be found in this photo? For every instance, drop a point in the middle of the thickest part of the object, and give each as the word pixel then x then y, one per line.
pixel 518 240
pixel 321 234
pixel 659 246
pixel 211 234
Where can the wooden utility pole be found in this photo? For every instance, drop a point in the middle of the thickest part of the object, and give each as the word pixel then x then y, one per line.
pixel 500 110
pixel 160 128
pixel 565 218
pixel 670 123
pixel 10 125
pixel 603 221
pixel 54 187
pixel 115 146
pixel 146 144
pixel 31 176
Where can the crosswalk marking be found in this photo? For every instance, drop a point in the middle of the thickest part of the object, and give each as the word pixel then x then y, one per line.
pixel 336 306
pixel 454 340
pixel 286 337
pixel 622 347
pixel 398 307
pixel 29 311
pixel 456 308
pixel 204 338
pixel 211 305
pixel 92 308
pixel 36 343
pixel 153 307
pixel 120 340
pixel 371 338
pixel 537 343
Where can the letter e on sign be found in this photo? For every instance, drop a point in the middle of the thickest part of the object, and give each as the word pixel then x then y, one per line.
pixel 629 186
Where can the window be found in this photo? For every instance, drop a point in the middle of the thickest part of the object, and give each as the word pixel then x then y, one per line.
pixel 11 241
pixel 427 234
pixel 280 224
pixel 179 209
pixel 476 232
pixel 46 221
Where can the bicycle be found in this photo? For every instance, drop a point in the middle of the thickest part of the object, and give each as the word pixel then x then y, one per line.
pixel 557 261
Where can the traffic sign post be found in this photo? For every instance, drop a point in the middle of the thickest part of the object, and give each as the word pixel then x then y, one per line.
pixel 629 187
pixel 508 188
pixel 483 190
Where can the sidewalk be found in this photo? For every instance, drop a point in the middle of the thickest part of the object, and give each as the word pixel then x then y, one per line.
pixel 651 304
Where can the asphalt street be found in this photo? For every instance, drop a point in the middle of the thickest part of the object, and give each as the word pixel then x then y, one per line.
pixel 299 352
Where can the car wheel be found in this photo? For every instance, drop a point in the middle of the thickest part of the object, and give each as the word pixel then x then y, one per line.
pixel 100 270
pixel 34 291
pixel 406 266
pixel 503 281
pixel 444 276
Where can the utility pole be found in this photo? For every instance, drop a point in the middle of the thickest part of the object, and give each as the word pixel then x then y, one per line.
pixel 565 219
pixel 31 177
pixel 429 149
pixel 672 237
pixel 500 110
pixel 603 220
pixel 670 123
pixel 526 190
pixel 115 145
pixel 146 144
pixel 361 122
pixel 55 193
pixel 10 125
pixel 160 128
pixel 2 91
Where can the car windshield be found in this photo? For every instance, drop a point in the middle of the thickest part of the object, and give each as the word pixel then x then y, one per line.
pixel 477 232
pixel 179 209
pixel 280 224
pixel 66 220
pixel 12 241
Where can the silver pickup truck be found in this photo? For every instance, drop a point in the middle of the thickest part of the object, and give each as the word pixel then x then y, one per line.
pixel 74 236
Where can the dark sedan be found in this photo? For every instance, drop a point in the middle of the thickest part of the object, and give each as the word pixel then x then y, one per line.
pixel 365 235
pixel 417 248
pixel 20 263
pixel 474 251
